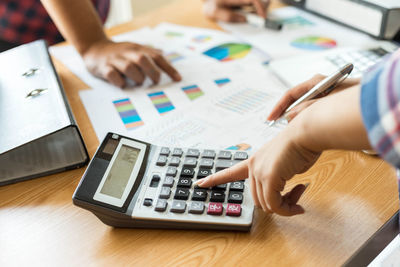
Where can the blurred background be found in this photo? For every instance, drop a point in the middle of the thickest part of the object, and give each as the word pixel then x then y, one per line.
pixel 124 10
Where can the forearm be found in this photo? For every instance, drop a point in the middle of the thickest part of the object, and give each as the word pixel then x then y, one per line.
pixel 334 122
pixel 77 20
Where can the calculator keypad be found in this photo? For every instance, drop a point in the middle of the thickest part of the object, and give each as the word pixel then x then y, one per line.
pixel 179 168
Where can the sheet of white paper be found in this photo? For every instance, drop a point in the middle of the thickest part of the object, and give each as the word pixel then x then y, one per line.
pixel 390 255
pixel 302 33
pixel 124 110
pixel 232 118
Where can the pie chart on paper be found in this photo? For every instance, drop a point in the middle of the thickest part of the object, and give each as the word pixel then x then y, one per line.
pixel 314 43
pixel 228 51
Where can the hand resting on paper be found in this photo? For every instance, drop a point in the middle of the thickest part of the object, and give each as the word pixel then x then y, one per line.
pixel 115 61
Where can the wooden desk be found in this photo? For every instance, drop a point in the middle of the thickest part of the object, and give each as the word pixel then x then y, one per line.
pixel 350 196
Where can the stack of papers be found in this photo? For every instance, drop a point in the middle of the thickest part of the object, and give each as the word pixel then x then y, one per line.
pixel 227 89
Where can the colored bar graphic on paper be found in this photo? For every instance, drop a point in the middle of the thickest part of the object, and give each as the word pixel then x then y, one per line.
pixel 192 91
pixel 221 82
pixel 173 57
pixel 128 113
pixel 161 102
pixel 173 34
pixel 241 147
pixel 201 38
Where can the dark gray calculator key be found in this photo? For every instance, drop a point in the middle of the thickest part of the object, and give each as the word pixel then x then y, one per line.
pixel 240 156
pixel 165 192
pixel 162 160
pixel 187 172
pixel 203 173
pixel 199 194
pixel 224 155
pixel 148 202
pixel 220 187
pixel 193 153
pixel 178 206
pixel 184 182
pixel 172 171
pixel 206 163
pixel 237 186
pixel 175 161
pixel 177 152
pixel 217 196
pixel 224 164
pixel 182 193
pixel 190 162
pixel 164 151
pixel 161 205
pixel 196 207
pixel 155 180
pixel 235 197
pixel 210 154
pixel 169 181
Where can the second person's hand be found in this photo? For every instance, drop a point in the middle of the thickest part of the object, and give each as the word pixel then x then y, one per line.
pixel 116 61
pixel 268 170
pixel 298 91
pixel 224 10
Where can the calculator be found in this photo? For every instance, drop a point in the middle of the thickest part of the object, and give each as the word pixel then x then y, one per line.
pixel 130 183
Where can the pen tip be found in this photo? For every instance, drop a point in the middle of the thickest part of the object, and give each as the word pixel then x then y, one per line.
pixel 271 123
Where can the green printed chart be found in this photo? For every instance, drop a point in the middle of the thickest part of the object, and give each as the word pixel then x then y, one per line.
pixel 228 51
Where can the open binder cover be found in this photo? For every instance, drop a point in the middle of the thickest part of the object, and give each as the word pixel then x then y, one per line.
pixel 38 134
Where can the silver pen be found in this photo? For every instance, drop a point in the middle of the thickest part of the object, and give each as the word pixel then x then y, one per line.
pixel 323 87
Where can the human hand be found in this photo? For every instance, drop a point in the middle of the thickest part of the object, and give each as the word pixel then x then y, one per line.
pixel 298 91
pixel 224 10
pixel 115 61
pixel 268 170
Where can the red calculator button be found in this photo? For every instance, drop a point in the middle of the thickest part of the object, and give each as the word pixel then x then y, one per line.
pixel 233 210
pixel 215 208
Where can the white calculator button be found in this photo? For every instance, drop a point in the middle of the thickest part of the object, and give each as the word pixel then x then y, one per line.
pixel 178 206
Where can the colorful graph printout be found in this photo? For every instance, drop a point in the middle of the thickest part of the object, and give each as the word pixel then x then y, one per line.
pixel 221 82
pixel 174 57
pixel 161 102
pixel 314 43
pixel 202 38
pixel 128 113
pixel 192 91
pixel 244 101
pixel 228 51
pixel 242 147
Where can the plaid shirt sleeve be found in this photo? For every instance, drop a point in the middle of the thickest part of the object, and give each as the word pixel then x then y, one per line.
pixel 380 108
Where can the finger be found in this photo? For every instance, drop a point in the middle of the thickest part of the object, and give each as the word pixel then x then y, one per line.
pixel 147 66
pixel 296 110
pixel 110 74
pixel 292 95
pixel 260 8
pixel 234 173
pixel 167 67
pixel 227 15
pixel 294 195
pixel 260 195
pixel 254 190
pixel 129 69
pixel 284 206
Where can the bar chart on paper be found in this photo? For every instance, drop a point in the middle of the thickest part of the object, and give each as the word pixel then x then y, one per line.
pixel 128 113
pixel 174 57
pixel 192 91
pixel 244 101
pixel 221 82
pixel 161 102
pixel 241 147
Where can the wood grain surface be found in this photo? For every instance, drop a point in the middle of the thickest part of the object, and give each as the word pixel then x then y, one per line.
pixel 350 196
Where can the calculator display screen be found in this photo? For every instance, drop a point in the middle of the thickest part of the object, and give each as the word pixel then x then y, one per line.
pixel 120 172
